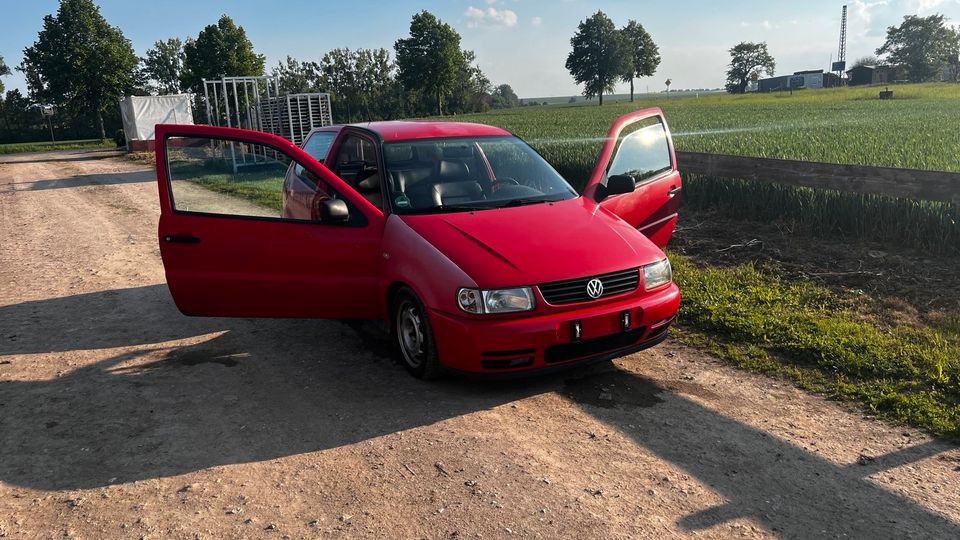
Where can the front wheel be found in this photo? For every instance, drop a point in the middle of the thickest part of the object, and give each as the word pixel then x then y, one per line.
pixel 413 337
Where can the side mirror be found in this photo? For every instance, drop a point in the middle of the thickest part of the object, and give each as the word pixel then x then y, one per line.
pixel 334 211
pixel 617 184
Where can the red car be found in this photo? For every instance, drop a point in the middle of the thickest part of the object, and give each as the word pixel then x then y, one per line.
pixel 478 254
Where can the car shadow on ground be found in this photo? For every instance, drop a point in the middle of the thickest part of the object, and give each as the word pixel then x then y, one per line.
pixel 105 179
pixel 126 400
pixel 138 391
pixel 787 489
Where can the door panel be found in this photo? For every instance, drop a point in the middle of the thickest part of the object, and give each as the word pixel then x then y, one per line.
pixel 639 145
pixel 230 248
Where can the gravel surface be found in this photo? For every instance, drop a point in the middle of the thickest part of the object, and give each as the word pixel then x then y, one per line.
pixel 121 418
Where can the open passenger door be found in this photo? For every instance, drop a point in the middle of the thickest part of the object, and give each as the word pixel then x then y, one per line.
pixel 639 146
pixel 229 249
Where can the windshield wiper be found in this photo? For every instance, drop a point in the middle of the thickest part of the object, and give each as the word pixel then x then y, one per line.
pixel 445 209
pixel 522 202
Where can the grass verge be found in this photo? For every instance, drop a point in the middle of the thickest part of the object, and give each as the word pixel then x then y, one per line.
pixel 20 148
pixel 811 335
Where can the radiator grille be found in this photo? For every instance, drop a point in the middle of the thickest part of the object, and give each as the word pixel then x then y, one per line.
pixel 575 290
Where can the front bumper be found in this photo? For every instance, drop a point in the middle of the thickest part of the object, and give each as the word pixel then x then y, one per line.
pixel 545 341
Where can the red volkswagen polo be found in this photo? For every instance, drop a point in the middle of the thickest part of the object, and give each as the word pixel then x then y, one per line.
pixel 478 254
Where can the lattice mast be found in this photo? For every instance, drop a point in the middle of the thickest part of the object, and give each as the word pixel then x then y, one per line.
pixel 842 54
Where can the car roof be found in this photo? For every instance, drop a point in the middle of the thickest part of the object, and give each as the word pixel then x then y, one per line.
pixel 405 130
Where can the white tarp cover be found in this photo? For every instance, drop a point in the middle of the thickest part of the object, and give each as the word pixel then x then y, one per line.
pixel 142 113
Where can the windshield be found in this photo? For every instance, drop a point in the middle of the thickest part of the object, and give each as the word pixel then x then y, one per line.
pixel 469 173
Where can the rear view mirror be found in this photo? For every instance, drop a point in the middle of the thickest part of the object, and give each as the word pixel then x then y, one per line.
pixel 618 184
pixel 334 211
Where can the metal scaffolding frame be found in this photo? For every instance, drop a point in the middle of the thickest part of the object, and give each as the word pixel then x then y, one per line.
pixel 258 105
pixel 292 116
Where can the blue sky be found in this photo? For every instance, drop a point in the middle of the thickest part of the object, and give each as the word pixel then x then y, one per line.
pixel 520 42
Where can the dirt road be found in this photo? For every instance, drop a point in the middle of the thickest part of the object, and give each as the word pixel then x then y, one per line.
pixel 121 418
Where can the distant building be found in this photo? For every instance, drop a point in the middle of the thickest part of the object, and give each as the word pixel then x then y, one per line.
pixel 773 83
pixel 862 75
pixel 811 79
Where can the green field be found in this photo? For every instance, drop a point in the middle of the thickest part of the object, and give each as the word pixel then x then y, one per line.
pixel 20 148
pixel 919 129
pixel 909 372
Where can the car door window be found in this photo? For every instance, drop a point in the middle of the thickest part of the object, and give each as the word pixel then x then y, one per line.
pixel 225 177
pixel 318 145
pixel 643 151
pixel 356 163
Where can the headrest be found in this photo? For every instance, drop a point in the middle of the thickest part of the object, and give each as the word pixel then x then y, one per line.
pixel 450 170
pixel 456 192
pixel 370 181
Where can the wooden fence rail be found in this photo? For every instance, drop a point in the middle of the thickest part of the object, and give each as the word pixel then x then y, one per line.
pixel 900 183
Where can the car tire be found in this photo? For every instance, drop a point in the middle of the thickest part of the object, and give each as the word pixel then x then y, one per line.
pixel 413 337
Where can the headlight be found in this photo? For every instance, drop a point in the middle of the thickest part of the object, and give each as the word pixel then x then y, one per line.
pixel 495 301
pixel 657 274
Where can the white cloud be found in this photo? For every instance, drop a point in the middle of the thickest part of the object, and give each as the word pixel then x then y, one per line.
pixel 864 11
pixel 536 21
pixel 923 7
pixel 871 18
pixel 490 17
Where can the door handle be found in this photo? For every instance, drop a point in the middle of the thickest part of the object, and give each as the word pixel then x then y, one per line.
pixel 181 239
pixel 674 191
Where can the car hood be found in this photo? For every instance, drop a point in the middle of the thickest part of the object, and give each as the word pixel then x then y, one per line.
pixel 539 243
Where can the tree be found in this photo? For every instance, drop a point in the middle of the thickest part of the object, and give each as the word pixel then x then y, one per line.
pixel 601 55
pixel 745 60
pixel 430 59
pixel 220 50
pixel 297 77
pixel 4 70
pixel 361 83
pixel 646 54
pixel 923 45
pixel 163 65
pixel 866 61
pixel 19 119
pixel 79 62
pixel 471 89
pixel 376 82
pixel 504 97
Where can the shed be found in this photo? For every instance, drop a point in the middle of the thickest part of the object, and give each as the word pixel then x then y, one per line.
pixel 807 79
pixel 141 114
pixel 774 83
pixel 861 75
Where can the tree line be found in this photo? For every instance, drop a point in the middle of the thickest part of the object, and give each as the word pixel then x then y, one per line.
pixel 920 48
pixel 83 66
pixel 604 55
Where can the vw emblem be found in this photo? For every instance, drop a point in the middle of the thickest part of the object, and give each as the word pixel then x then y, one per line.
pixel 595 288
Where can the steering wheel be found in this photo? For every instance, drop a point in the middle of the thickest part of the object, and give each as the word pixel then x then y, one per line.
pixel 497 182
